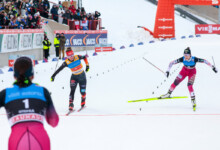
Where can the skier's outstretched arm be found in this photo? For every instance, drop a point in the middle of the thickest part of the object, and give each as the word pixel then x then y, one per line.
pixel 207 63
pixel 86 62
pixel 173 63
pixel 58 70
pixel 51 114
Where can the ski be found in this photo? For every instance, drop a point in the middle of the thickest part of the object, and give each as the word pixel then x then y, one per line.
pixel 194 107
pixel 69 112
pixel 81 109
pixel 157 98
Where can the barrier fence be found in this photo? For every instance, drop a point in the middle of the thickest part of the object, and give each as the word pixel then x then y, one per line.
pixel 90 24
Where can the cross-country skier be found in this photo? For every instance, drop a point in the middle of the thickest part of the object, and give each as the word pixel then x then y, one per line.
pixel 27 104
pixel 189 71
pixel 78 75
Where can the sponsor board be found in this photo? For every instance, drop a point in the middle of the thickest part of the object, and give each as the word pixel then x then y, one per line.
pixel 9 43
pixel 103 49
pixel 12 58
pixel 207 29
pixel 25 41
pixel 38 39
pixel 16 40
pixel 18 31
pixel 84 38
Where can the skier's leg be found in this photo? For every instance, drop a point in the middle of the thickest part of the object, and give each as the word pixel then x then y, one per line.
pixel 73 85
pixel 191 79
pixel 82 84
pixel 181 76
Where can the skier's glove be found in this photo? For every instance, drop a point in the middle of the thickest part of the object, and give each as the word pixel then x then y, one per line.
pixel 167 74
pixel 87 68
pixel 214 69
pixel 52 79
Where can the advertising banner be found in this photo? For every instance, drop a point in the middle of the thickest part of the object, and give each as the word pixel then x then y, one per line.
pixel 103 48
pixel 9 43
pixel 12 58
pixel 25 41
pixel 84 38
pixel 207 29
pixel 16 39
pixel 38 39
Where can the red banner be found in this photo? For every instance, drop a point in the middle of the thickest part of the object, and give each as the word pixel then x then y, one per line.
pixel 16 31
pixel 207 29
pixel 103 49
pixel 10 63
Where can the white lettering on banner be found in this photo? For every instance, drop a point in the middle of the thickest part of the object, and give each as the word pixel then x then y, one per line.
pixel 90 41
pixel 214 1
pixel 165 19
pixel 11 63
pixel 67 42
pixel 77 42
pixel 103 41
pixel 103 49
pixel 164 35
pixel 165 27
pixel 209 28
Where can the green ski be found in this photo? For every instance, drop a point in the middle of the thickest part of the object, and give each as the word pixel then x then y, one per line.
pixel 157 98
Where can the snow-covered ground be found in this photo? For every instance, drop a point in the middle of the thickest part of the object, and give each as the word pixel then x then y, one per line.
pixel 109 122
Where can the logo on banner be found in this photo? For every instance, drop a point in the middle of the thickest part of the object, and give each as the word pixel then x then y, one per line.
pixel 165 19
pixel 165 27
pixel 214 1
pixel 10 63
pixel 208 29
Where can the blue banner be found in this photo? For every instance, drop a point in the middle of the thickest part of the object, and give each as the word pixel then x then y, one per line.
pixel 84 38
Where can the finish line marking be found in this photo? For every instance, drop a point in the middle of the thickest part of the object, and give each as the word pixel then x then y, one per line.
pixel 112 115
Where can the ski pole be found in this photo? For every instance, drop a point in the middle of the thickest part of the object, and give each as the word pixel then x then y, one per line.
pixel 57 64
pixel 153 65
pixel 213 60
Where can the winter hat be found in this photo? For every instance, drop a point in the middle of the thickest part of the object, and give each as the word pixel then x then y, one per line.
pixel 187 51
pixel 69 52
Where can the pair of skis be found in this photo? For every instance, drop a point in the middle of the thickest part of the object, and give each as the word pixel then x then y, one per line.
pixel 159 98
pixel 71 111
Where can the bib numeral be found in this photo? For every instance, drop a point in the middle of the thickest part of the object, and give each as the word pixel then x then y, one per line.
pixel 26 103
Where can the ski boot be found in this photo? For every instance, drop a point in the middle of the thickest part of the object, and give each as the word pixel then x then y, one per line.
pixel 83 102
pixel 71 105
pixel 166 95
pixel 193 100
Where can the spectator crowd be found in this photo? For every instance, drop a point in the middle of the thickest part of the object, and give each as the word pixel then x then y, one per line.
pixel 81 19
pixel 18 14
pixel 26 14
